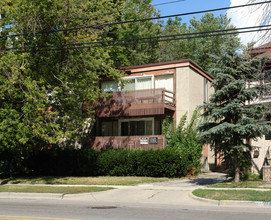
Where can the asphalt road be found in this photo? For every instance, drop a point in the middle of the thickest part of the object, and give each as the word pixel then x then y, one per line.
pixel 28 209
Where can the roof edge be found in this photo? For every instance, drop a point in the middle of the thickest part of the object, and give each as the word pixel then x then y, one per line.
pixel 174 62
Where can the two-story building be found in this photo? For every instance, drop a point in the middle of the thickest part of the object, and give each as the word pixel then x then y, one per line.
pixel 261 155
pixel 132 116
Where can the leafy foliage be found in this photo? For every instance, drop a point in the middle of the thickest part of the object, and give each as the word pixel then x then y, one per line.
pixel 88 162
pixel 136 54
pixel 185 140
pixel 233 115
pixel 200 50
pixel 43 91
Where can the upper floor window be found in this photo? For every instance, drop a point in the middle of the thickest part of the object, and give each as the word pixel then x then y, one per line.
pixel 164 82
pixel 140 83
pixel 109 86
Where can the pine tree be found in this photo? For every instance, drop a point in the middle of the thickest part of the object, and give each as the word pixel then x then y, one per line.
pixel 232 114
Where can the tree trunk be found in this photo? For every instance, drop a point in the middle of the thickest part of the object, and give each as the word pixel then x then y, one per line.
pixel 237 168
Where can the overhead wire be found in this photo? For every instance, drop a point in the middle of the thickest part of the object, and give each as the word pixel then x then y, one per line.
pixel 139 20
pixel 107 13
pixel 150 40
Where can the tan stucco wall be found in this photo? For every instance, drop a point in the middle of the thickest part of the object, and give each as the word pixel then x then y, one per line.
pixel 263 146
pixel 189 91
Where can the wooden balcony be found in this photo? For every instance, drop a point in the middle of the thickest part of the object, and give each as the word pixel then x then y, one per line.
pixel 135 103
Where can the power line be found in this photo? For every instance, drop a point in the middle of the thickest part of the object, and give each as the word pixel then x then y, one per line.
pixel 143 42
pixel 144 6
pixel 161 40
pixel 148 38
pixel 108 13
pixel 166 3
pixel 140 20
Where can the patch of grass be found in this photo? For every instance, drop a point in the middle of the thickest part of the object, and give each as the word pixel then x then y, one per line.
pixel 241 184
pixel 51 189
pixel 246 195
pixel 102 180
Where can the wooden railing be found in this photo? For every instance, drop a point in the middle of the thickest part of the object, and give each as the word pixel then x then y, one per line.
pixel 139 97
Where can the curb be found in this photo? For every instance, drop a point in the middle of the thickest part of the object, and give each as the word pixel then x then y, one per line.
pixel 19 195
pixel 140 186
pixel 231 202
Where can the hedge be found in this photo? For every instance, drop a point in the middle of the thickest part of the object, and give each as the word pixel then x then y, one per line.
pixel 88 162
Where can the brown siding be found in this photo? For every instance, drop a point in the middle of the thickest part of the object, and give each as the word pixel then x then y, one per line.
pixel 127 142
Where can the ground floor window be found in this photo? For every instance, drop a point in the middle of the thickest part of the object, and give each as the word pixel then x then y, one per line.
pixel 109 128
pixel 129 127
pixel 133 127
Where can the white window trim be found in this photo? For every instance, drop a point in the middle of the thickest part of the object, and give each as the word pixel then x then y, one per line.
pixel 136 77
pixel 135 119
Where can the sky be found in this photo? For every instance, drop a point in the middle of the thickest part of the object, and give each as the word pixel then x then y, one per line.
pixel 242 17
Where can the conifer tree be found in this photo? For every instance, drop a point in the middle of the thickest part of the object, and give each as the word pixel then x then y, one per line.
pixel 233 114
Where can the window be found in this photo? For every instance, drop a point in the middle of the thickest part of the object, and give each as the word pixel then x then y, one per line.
pixel 130 85
pixel 109 128
pixel 109 86
pixel 205 91
pixel 138 83
pixel 144 83
pixel 133 127
pixel 164 82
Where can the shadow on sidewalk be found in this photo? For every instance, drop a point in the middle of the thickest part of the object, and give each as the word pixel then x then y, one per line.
pixel 206 181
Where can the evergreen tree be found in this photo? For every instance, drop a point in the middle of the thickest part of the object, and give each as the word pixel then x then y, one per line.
pixel 233 115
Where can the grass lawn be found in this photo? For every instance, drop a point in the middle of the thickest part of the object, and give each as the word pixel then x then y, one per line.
pixel 247 195
pixel 51 189
pixel 102 180
pixel 241 184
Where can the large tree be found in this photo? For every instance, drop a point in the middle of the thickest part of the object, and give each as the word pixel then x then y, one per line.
pixel 202 49
pixel 45 82
pixel 133 52
pixel 233 115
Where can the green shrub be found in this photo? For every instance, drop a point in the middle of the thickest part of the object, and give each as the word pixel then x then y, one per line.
pixel 185 141
pixel 55 161
pixel 115 163
pixel 10 162
pixel 63 162
pixel 153 163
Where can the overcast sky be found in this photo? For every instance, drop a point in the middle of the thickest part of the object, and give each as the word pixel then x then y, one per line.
pixel 241 17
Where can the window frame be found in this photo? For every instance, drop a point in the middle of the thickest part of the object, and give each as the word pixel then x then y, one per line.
pixel 136 119
pixel 140 77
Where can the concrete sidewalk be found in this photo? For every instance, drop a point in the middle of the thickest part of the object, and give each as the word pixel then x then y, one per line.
pixel 177 192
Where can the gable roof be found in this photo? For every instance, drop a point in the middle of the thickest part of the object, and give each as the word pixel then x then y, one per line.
pixel 168 65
